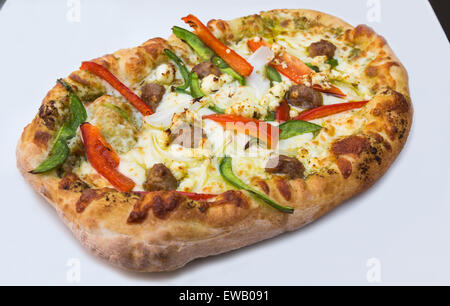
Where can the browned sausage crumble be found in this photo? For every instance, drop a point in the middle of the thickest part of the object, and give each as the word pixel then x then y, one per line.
pixel 304 97
pixel 159 177
pixel 206 68
pixel 152 94
pixel 323 47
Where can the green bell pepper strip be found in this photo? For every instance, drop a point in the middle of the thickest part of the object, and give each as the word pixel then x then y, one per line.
pixel 60 149
pixel 272 74
pixel 270 117
pixel 196 92
pixel 204 52
pixel 297 127
pixel 216 109
pixel 225 68
pixel 183 70
pixel 226 170
pixel 315 68
pixel 120 111
pixel 57 156
pixel 332 62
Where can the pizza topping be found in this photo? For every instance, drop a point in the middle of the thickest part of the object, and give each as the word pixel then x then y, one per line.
pixel 292 67
pixel 304 97
pixel 238 63
pixel 181 67
pixel 152 94
pixel 226 170
pixel 328 110
pixel 159 177
pixel 289 166
pixel 282 112
pixel 294 128
pixel 60 149
pixel 48 113
pixel 322 47
pixel 225 68
pixel 196 91
pixel 262 130
pixel 103 159
pixel 131 97
pixel 273 75
pixel 203 51
pixel 197 196
pixel 204 69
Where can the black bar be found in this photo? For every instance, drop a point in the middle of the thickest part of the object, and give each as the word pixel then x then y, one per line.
pixel 442 10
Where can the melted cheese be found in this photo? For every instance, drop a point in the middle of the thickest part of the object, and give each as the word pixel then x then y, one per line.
pixel 197 169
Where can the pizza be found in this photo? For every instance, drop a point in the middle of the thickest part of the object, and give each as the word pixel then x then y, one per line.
pixel 222 135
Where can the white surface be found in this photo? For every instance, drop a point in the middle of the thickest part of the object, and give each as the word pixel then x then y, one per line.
pixel 403 220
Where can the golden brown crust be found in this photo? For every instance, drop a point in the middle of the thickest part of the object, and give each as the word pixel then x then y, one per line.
pixel 163 231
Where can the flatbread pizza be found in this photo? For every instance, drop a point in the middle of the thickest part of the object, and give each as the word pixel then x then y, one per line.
pixel 225 134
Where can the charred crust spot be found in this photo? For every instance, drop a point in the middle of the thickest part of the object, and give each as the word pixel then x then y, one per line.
pixel 397 103
pixel 235 197
pixel 219 24
pixel 378 139
pixel 162 204
pixel 350 145
pixel 86 198
pixel 41 138
pixel 77 78
pixel 155 46
pixel 285 23
pixel 203 207
pixel 48 113
pixel 392 107
pixel 345 167
pixel 371 71
pixel 284 188
pixel 264 187
pixel 71 182
pixel 362 31
pixel 331 172
pixel 106 61
pixel 291 167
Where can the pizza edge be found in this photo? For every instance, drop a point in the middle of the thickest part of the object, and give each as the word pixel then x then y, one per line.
pixel 189 231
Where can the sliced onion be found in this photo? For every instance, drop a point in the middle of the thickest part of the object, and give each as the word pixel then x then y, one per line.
pixel 163 119
pixel 258 60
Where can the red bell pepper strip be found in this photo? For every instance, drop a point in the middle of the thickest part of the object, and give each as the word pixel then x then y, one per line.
pixel 102 158
pixel 237 62
pixel 328 110
pixel 253 127
pixel 131 97
pixel 282 112
pixel 292 67
pixel 197 196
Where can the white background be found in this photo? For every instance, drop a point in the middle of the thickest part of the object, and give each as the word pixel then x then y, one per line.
pixel 403 221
